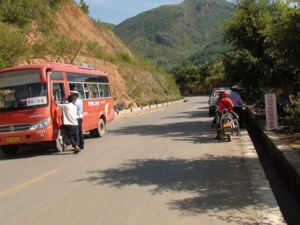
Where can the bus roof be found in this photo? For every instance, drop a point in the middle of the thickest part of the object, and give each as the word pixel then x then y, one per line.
pixel 56 66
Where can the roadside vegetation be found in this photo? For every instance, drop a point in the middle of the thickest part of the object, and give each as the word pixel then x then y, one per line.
pixel 20 18
pixel 263 58
pixel 199 79
pixel 265 37
pixel 13 45
pixel 29 32
pixel 23 12
pixel 84 7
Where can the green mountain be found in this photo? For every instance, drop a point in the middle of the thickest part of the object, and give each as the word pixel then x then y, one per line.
pixel 171 34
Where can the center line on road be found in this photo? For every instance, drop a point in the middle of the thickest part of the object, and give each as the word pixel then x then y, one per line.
pixel 27 182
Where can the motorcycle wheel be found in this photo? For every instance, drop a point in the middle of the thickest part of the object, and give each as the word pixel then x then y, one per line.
pixel 228 138
pixel 237 128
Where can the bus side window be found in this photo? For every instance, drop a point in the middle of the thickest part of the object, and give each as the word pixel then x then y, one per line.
pixel 94 91
pixel 107 91
pixel 101 90
pixel 58 92
pixel 77 87
pixel 86 91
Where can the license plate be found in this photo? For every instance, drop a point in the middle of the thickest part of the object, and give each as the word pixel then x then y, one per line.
pixel 12 140
pixel 227 124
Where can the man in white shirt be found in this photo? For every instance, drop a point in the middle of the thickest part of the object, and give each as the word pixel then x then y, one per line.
pixel 70 122
pixel 79 104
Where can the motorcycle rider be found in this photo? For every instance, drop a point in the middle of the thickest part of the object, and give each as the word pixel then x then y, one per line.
pixel 225 104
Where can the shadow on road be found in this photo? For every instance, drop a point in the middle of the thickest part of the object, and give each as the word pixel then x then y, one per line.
pixel 193 131
pixel 217 183
pixel 190 114
pixel 33 151
pixel 36 150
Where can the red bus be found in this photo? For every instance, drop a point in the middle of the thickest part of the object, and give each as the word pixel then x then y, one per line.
pixel 28 113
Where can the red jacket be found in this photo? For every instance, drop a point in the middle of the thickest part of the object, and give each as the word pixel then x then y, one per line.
pixel 225 103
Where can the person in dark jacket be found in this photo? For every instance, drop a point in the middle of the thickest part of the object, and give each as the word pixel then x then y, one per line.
pixel 238 104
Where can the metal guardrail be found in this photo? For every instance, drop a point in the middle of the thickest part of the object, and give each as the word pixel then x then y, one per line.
pixel 126 111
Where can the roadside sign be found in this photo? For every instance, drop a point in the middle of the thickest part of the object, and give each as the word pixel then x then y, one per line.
pixel 271 111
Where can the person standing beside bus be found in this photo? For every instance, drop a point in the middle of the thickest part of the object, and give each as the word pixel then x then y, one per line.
pixel 79 105
pixel 70 122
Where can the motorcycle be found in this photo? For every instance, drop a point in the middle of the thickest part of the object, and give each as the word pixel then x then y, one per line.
pixel 216 120
pixel 228 125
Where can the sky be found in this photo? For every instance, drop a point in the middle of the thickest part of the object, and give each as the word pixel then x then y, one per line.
pixel 116 11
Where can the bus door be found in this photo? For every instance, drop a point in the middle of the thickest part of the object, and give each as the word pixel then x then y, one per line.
pixel 58 95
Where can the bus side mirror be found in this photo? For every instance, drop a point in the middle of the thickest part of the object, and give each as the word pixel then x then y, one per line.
pixel 43 75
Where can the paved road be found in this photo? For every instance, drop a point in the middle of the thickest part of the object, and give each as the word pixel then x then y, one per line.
pixel 163 168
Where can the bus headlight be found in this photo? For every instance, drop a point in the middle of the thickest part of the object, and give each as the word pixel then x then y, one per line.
pixel 40 124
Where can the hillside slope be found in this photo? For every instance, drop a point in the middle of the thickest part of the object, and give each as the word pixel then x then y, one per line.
pixel 169 34
pixel 77 38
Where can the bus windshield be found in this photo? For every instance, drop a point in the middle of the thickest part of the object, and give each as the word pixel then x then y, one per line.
pixel 22 89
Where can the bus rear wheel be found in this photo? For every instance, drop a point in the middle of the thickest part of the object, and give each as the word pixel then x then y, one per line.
pixel 10 150
pixel 61 141
pixel 100 130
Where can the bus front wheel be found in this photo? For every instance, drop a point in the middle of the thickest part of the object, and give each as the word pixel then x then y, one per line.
pixel 100 130
pixel 10 150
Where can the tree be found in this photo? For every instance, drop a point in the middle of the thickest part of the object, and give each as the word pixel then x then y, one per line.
pixel 84 7
pixel 265 36
pixel 286 46
pixel 192 79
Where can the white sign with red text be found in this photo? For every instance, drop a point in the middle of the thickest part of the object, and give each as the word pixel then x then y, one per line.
pixel 271 112
pixel 36 101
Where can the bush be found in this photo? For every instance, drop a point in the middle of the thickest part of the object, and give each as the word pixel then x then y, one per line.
pixel 124 57
pixel 3 64
pixel 22 12
pixel 130 105
pixel 120 106
pixel 40 48
pixel 17 12
pixel 291 122
pixel 154 101
pixel 66 48
pixel 109 26
pixel 84 7
pixel 61 48
pixel 13 45
pixel 98 51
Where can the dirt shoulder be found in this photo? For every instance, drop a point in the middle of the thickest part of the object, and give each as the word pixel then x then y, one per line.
pixel 292 140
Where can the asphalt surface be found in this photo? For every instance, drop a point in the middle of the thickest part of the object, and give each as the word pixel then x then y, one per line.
pixel 161 168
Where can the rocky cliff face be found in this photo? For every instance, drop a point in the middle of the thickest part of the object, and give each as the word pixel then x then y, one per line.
pixel 131 81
